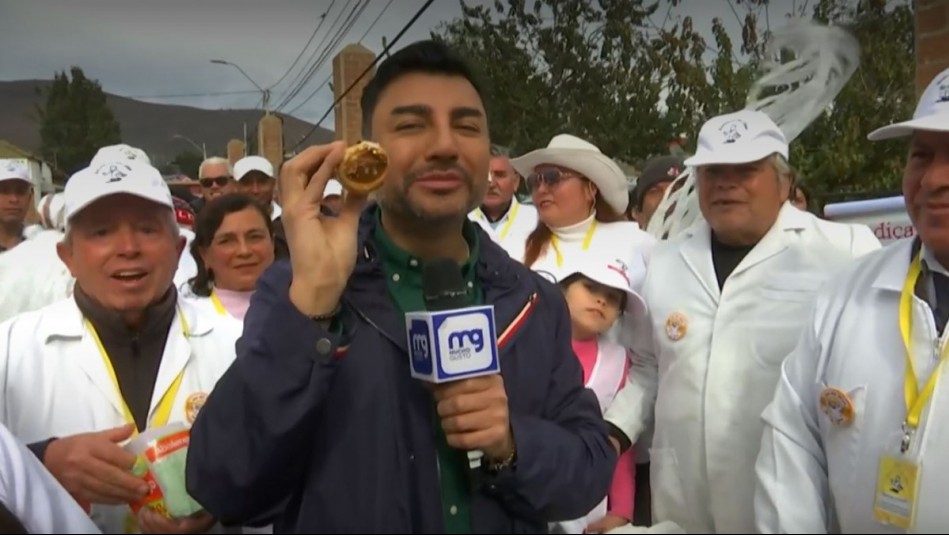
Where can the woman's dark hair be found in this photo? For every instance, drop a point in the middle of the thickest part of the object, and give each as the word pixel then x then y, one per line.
pixel 539 240
pixel 206 226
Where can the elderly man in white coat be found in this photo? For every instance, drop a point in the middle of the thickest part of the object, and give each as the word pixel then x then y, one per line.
pixel 506 220
pixel 123 353
pixel 857 437
pixel 726 302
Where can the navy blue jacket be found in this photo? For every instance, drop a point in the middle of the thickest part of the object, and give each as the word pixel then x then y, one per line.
pixel 315 436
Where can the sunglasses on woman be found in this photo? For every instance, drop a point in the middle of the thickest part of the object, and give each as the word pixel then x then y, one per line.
pixel 219 180
pixel 550 177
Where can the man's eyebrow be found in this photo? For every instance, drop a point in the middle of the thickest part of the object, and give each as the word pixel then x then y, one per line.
pixel 465 112
pixel 412 109
pixel 461 112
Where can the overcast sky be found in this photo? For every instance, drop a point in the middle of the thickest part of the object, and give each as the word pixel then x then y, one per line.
pixel 142 48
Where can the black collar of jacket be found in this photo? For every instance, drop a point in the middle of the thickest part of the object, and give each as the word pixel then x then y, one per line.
pixel 501 279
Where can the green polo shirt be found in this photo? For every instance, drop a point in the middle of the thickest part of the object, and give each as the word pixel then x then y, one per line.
pixel 404 278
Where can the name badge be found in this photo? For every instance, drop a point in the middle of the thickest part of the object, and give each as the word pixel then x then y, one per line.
pixel 897 487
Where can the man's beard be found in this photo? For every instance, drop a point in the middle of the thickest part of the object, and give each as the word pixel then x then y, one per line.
pixel 400 203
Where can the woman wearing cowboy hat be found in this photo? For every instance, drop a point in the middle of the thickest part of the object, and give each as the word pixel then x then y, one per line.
pixel 581 197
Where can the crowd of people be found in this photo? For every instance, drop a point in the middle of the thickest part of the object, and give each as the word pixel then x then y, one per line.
pixel 763 371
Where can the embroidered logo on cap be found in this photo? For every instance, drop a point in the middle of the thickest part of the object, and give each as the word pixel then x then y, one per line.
pixel 943 85
pixel 114 172
pixel 732 130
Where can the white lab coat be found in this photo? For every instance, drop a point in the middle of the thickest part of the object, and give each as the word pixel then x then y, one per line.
pixel 32 275
pixel 815 477
pixel 708 388
pixel 31 493
pixel 54 382
pixel 233 328
pixel 511 238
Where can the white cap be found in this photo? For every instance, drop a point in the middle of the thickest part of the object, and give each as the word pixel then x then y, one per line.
pixel 111 178
pixel 333 187
pixel 119 153
pixel 735 138
pixel 11 169
pixel 932 112
pixel 252 163
pixel 613 273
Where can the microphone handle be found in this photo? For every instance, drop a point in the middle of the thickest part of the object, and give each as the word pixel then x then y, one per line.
pixel 474 459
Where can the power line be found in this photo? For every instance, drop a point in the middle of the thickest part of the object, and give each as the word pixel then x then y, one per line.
pixel 190 95
pixel 327 53
pixel 307 45
pixel 328 78
pixel 384 53
pixel 315 58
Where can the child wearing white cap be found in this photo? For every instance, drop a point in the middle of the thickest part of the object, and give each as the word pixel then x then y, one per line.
pixel 599 294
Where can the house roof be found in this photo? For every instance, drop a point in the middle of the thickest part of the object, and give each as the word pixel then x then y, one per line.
pixel 9 150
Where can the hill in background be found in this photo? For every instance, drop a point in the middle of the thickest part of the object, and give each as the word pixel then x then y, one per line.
pixel 146 125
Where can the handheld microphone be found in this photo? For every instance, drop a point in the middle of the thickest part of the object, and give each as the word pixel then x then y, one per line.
pixel 450 341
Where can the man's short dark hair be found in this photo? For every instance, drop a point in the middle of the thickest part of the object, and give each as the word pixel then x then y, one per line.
pixel 429 57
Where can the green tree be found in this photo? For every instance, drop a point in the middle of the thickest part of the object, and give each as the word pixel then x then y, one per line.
pixel 605 70
pixel 188 162
pixel 833 153
pixel 564 66
pixel 75 120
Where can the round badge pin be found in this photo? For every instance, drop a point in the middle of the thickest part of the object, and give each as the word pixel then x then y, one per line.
pixel 676 326
pixel 837 406
pixel 193 405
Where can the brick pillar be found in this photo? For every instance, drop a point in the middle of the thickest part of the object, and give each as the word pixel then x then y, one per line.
pixel 270 139
pixel 347 66
pixel 235 150
pixel 932 40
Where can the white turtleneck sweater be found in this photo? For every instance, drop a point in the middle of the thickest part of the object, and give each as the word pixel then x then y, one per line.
pixel 622 240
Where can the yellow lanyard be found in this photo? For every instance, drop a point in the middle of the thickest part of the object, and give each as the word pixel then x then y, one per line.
pixel 916 400
pixel 510 220
pixel 587 238
pixel 216 301
pixel 163 412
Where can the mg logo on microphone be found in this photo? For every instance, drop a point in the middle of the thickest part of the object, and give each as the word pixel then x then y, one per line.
pixel 463 339
pixel 419 336
pixel 448 345
pixel 473 339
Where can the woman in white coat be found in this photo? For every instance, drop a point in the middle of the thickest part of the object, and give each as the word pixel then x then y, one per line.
pixel 581 196
pixel 232 247
pixel 857 436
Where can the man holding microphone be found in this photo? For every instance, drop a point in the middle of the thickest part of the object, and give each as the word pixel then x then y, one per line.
pixel 319 425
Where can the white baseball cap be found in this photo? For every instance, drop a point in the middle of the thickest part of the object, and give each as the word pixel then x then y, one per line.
pixel 932 112
pixel 333 187
pixel 735 138
pixel 111 178
pixel 119 153
pixel 613 273
pixel 11 169
pixel 252 163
